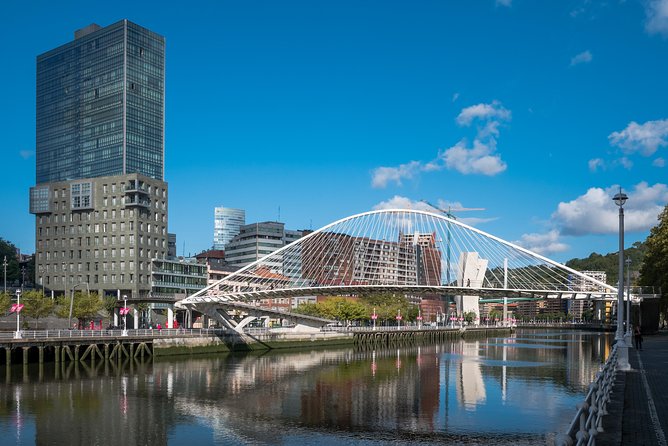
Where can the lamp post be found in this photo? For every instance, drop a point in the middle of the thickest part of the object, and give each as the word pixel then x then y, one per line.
pixel 125 315
pixel 628 301
pixel 5 265
pixel 374 316
pixel 623 356
pixel 18 307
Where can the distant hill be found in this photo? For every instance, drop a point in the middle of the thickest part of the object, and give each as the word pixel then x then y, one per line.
pixel 610 262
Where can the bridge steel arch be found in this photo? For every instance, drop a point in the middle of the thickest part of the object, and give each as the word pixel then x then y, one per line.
pixel 405 251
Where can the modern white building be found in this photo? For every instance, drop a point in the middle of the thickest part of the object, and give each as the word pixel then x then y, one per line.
pixel 256 240
pixel 227 223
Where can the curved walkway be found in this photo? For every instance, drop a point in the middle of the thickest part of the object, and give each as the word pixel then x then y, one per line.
pixel 638 413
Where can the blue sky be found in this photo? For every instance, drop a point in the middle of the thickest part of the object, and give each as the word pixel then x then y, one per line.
pixel 534 111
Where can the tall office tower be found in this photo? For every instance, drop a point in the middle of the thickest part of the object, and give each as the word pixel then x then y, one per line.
pixel 226 224
pixel 100 200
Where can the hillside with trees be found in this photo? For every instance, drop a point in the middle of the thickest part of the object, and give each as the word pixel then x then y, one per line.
pixel 610 262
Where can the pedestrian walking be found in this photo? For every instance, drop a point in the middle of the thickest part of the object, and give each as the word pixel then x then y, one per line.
pixel 637 338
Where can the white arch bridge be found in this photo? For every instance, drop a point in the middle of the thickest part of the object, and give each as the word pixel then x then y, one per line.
pixel 412 252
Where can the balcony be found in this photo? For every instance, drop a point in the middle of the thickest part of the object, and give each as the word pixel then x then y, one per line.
pixel 135 200
pixel 136 187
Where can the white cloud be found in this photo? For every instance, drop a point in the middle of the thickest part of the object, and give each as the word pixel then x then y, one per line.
pixel 547 243
pixel 657 17
pixel 659 162
pixel 595 212
pixel 625 163
pixel 596 164
pixel 506 3
pixel 583 57
pixel 480 158
pixel 399 202
pixel 483 111
pixel 381 176
pixel 25 154
pixel 644 138
pixel 475 221
pixel 576 12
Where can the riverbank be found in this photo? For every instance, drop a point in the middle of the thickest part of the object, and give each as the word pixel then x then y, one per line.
pixel 90 345
pixel 276 339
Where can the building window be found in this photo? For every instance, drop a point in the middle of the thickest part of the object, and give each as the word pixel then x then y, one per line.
pixel 81 195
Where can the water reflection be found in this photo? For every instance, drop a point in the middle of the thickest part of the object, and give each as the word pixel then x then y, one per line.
pixel 501 391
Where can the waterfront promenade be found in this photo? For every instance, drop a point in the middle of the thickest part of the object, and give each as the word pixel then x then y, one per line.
pixel 638 412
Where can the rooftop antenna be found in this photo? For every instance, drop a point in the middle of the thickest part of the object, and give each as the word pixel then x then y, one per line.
pixel 279 214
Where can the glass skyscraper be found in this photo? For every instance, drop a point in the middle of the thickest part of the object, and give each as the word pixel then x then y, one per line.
pixel 227 223
pixel 100 199
pixel 100 105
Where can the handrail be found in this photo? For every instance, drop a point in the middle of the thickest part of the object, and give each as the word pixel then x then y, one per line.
pixel 37 335
pixel 588 420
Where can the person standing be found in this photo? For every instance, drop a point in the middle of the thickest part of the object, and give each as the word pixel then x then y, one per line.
pixel 637 337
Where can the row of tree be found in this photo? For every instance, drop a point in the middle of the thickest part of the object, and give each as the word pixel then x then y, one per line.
pixel 386 307
pixel 649 262
pixel 85 306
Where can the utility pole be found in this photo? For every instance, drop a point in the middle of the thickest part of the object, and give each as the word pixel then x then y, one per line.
pixel 5 265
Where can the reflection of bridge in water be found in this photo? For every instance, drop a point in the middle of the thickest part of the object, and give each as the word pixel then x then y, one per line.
pixel 409 252
pixel 460 390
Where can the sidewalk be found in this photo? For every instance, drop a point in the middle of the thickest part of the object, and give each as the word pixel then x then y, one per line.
pixel 641 416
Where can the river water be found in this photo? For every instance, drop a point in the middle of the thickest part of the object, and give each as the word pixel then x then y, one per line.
pixel 520 389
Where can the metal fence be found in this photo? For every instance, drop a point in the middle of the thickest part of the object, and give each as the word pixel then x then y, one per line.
pixel 36 335
pixel 588 420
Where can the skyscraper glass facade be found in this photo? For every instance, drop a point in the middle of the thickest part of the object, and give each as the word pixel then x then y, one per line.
pixel 227 223
pixel 100 105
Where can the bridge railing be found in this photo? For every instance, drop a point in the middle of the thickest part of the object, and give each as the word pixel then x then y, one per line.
pixel 37 335
pixel 588 420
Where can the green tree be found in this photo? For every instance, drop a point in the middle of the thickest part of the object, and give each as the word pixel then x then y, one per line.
pixel 495 314
pixel 37 305
pixel 5 302
pixel 470 316
pixel 109 304
pixel 309 309
pixel 84 307
pixel 9 251
pixel 388 305
pixel 654 269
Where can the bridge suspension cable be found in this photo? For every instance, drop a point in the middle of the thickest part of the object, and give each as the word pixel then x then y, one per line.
pixel 399 249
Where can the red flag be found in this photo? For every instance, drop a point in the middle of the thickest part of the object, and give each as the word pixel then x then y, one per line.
pixel 19 308
pixel 13 308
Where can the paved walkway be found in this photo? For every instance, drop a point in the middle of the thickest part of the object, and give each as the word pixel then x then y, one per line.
pixel 642 413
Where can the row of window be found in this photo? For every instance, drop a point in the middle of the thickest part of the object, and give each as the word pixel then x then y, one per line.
pixel 95 254
pixel 104 278
pixel 98 228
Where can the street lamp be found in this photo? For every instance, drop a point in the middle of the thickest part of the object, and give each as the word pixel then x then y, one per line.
pixel 124 312
pixel 5 265
pixel 628 299
pixel 17 309
pixel 623 360
pixel 374 316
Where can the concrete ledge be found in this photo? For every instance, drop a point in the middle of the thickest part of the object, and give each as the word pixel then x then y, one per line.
pixel 236 342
